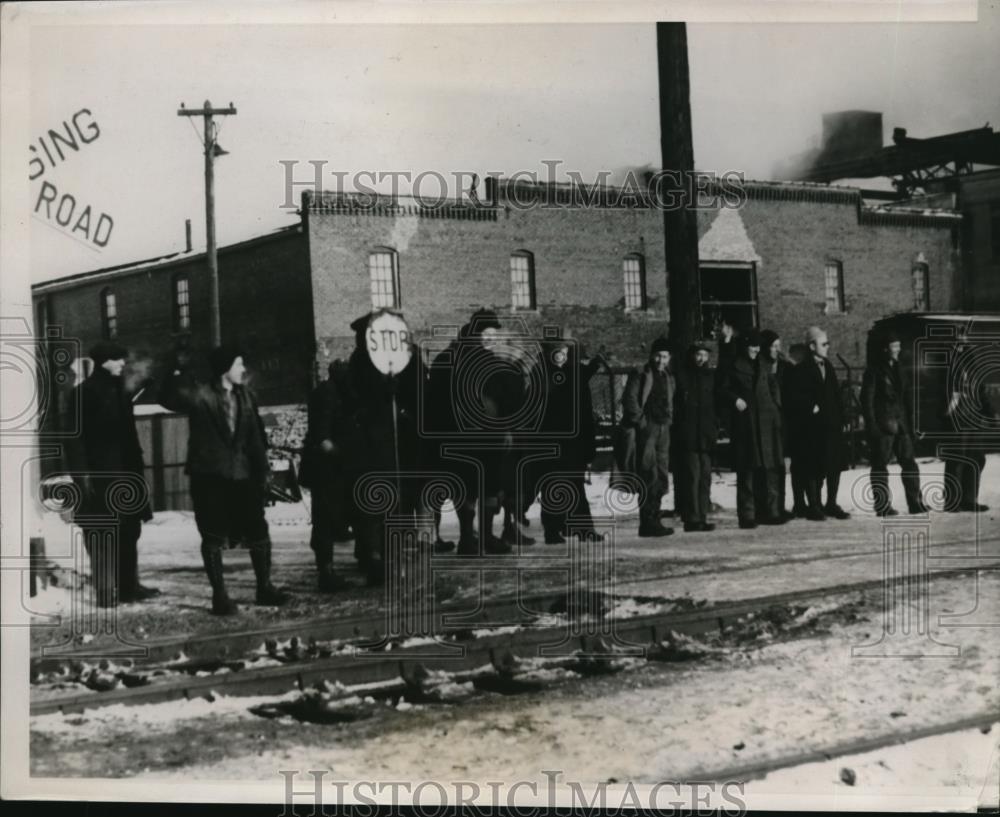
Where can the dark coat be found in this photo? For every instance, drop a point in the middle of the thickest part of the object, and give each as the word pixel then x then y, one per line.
pixel 568 417
pixel 695 425
pixel 214 449
pixel 330 410
pixel 636 397
pixel 637 391
pixel 885 400
pixel 755 432
pixel 819 436
pixel 370 400
pixel 108 444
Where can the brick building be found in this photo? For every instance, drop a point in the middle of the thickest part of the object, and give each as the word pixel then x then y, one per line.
pixel 156 306
pixel 793 255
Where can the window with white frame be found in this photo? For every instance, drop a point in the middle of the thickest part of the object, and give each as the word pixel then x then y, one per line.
pixel 182 304
pixel 109 315
pixel 634 273
pixel 834 286
pixel 920 274
pixel 522 280
pixel 383 268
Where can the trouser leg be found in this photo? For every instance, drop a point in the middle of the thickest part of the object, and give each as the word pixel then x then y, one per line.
pixel 653 453
pixel 832 487
pixel 745 498
pixel 323 520
pixel 211 514
pixel 770 478
pixel 910 472
pixel 101 547
pixel 880 451
pixel 129 530
pixel 582 518
pixel 798 487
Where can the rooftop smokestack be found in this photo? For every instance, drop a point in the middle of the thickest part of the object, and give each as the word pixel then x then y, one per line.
pixel 187 234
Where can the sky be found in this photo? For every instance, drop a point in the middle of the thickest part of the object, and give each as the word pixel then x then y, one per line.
pixel 447 99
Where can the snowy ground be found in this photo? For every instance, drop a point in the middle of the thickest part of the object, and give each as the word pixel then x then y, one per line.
pixel 727 564
pixel 656 722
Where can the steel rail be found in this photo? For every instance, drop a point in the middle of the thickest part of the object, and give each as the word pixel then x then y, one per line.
pixel 458 656
pixel 229 645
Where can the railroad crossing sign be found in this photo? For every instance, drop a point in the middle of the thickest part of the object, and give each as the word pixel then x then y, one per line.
pixel 388 342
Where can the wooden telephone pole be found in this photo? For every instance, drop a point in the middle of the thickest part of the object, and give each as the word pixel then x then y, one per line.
pixel 212 150
pixel 680 225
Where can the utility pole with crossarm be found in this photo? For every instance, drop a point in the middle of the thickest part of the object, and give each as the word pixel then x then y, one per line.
pixel 212 150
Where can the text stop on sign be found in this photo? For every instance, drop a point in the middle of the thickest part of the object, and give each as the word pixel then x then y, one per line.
pixel 388 339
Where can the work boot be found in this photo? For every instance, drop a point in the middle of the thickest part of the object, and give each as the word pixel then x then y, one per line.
pixel 222 605
pixel 267 593
pixel 653 529
pixel 554 538
pixel 496 547
pixel 836 512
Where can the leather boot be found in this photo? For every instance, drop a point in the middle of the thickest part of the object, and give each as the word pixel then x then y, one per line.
pixel 222 605
pixel 267 593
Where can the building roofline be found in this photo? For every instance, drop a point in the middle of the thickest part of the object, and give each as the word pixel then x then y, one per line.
pixel 159 262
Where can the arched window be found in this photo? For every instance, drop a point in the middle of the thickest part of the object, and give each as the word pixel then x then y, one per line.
pixel 522 280
pixel 920 273
pixel 182 303
pixel 634 274
pixel 383 269
pixel 109 315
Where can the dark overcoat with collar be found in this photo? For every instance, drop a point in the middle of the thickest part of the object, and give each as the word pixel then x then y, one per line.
pixel 214 449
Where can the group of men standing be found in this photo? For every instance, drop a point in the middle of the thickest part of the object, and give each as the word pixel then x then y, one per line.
pixel 478 423
pixel 492 430
pixel 772 408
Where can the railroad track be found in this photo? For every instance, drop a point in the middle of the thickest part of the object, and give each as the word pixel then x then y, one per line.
pixel 226 646
pixel 598 640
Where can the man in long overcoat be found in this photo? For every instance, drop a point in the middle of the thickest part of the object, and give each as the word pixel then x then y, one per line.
pixel 781 369
pixel 887 403
pixel 568 424
pixel 107 465
pixel 695 435
pixel 228 467
pixel 324 469
pixel 817 417
pixel 648 407
pixel 750 393
pixel 383 439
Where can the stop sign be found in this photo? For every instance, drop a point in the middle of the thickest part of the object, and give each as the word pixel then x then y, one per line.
pixel 388 342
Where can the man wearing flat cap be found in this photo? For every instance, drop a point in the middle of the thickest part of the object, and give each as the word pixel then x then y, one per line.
pixel 228 468
pixel 107 465
pixel 817 417
pixel 887 404
pixel 648 405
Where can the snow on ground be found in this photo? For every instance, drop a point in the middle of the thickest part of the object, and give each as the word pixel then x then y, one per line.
pixel 658 722
pixel 961 764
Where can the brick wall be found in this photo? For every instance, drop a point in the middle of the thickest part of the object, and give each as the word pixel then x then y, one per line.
pixel 265 305
pixel 450 265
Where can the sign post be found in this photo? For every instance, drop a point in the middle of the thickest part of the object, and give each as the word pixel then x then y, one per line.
pixel 387 340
